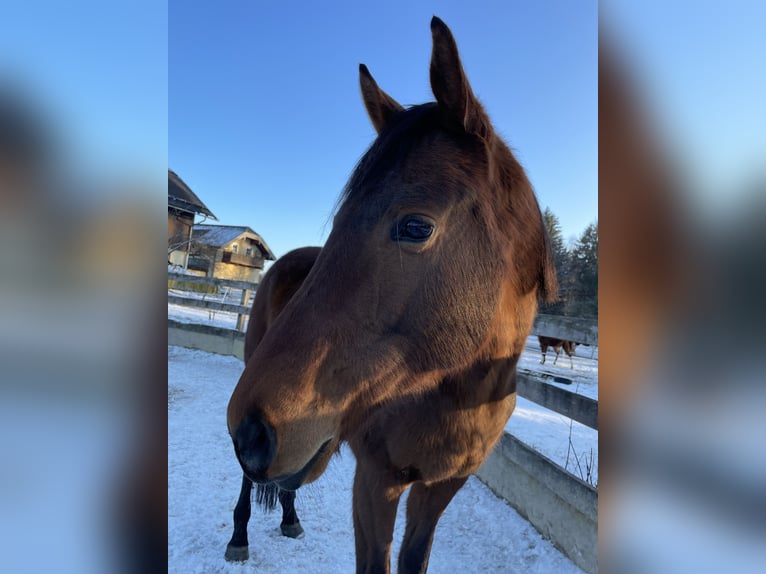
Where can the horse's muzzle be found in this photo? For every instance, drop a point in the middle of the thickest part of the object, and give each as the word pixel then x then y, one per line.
pixel 294 481
pixel 255 444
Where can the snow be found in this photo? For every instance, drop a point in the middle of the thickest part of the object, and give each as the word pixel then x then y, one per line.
pixel 478 532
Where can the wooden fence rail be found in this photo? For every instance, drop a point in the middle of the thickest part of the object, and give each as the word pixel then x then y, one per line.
pixel 577 329
pixel 242 310
pixel 210 304
pixel 182 278
pixel 577 407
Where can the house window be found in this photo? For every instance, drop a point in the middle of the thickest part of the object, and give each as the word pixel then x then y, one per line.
pixel 249 251
pixel 235 248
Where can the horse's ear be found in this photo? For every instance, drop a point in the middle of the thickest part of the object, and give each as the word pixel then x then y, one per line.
pixel 380 106
pixel 450 85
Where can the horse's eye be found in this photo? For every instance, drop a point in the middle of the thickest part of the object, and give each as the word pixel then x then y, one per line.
pixel 415 228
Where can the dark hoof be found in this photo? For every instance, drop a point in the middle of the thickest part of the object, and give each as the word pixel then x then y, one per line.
pixel 236 553
pixel 291 530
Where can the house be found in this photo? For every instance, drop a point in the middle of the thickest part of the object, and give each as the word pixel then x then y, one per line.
pixel 228 252
pixel 183 206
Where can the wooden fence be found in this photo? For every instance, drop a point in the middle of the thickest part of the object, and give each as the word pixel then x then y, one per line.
pixel 241 309
pixel 560 505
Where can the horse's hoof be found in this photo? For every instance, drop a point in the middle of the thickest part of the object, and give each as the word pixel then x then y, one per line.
pixel 236 553
pixel 291 530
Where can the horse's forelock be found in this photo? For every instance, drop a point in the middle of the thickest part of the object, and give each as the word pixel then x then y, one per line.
pixel 400 136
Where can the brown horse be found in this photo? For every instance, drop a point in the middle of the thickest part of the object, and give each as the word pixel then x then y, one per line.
pixel 558 345
pixel 404 337
pixel 278 286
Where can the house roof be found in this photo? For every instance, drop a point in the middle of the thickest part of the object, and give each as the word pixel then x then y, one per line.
pixel 222 235
pixel 180 196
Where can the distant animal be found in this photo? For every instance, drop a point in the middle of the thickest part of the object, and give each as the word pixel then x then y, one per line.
pixel 557 345
pixel 404 337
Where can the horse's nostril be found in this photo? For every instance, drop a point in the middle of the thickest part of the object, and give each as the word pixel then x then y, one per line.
pixel 255 444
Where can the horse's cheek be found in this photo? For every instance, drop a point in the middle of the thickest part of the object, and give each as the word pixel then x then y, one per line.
pixel 453 336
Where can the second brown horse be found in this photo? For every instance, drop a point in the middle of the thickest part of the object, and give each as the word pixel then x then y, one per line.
pixel 404 337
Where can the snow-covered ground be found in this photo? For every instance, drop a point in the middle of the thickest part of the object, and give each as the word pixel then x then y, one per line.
pixel 478 533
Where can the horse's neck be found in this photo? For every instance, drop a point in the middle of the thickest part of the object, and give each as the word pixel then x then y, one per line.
pixel 485 381
pixel 510 327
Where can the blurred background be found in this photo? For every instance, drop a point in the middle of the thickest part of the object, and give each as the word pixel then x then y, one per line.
pixel 682 176
pixel 83 160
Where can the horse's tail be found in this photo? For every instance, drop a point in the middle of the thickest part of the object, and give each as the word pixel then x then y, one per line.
pixel 266 496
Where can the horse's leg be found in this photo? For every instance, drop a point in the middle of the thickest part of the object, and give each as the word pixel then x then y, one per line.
pixel 291 526
pixel 556 358
pixel 375 503
pixel 425 506
pixel 236 550
pixel 544 350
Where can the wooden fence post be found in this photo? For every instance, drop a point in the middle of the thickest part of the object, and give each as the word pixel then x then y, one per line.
pixel 240 317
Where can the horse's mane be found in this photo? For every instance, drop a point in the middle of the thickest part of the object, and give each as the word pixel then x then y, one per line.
pixel 399 138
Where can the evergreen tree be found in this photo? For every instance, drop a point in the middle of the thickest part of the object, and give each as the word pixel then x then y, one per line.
pixel 584 274
pixel 560 261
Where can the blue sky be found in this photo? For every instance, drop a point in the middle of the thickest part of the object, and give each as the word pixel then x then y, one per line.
pixel 257 107
pixel 266 122
pixel 699 67
pixel 97 71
